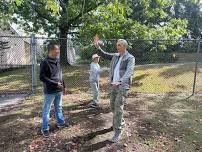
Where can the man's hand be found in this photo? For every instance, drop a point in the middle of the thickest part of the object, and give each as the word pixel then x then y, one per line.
pixel 115 84
pixel 60 85
pixel 96 41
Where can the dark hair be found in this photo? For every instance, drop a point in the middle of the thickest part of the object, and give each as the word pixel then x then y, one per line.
pixel 52 45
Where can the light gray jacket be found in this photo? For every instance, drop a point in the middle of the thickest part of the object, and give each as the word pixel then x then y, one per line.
pixel 94 72
pixel 126 67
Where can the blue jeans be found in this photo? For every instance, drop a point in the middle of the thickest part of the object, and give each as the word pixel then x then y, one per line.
pixel 56 98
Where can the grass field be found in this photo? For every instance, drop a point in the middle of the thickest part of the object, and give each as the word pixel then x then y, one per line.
pixel 17 80
pixel 165 79
pixel 147 79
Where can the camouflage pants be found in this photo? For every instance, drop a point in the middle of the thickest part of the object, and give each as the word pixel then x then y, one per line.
pixel 117 101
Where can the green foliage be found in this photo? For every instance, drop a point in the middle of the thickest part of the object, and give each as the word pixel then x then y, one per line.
pixel 87 52
pixel 44 54
pixel 129 19
pixel 152 21
pixel 6 12
pixel 18 2
pixel 52 17
pixel 192 11
pixel 53 6
pixel 107 22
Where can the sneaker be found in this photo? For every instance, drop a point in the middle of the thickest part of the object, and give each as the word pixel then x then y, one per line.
pixel 94 105
pixel 123 124
pixel 116 137
pixel 65 125
pixel 45 133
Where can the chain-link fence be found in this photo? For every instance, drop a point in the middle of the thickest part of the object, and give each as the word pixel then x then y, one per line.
pixel 162 66
pixel 15 65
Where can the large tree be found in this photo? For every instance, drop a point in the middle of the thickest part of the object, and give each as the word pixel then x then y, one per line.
pixel 54 17
pixel 192 11
pixel 6 11
pixel 139 20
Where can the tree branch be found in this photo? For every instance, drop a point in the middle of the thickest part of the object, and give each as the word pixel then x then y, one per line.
pixel 62 4
pixel 82 13
pixel 45 16
pixel 73 33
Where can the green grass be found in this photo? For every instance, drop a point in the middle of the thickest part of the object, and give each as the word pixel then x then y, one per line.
pixel 16 80
pixel 146 79
pixel 165 79
pixel 179 119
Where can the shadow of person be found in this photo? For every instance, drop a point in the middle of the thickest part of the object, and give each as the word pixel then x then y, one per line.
pixel 90 136
pixel 96 146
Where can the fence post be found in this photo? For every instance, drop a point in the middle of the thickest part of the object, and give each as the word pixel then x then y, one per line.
pixel 196 67
pixel 34 63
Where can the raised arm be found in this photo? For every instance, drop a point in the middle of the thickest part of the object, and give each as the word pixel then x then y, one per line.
pixel 104 54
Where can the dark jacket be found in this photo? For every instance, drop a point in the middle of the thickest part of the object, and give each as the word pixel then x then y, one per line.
pixel 50 75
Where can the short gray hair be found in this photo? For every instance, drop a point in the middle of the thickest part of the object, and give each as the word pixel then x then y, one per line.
pixel 122 41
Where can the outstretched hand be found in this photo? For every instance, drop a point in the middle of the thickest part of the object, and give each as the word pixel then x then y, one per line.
pixel 96 40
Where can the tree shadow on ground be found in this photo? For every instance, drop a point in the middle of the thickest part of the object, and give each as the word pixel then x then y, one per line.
pixel 157 124
pixel 90 136
pixel 150 123
pixel 19 129
pixel 176 71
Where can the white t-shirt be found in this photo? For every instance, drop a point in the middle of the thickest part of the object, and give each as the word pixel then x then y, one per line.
pixel 116 76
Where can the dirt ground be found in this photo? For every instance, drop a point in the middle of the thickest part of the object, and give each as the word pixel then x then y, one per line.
pixel 10 99
pixel 154 123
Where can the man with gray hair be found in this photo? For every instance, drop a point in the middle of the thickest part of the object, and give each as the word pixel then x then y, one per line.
pixel 120 77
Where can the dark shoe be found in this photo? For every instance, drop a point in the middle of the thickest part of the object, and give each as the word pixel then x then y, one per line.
pixel 45 133
pixel 111 128
pixel 94 105
pixel 66 125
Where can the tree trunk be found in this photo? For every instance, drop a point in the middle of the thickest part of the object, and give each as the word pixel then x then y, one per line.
pixel 63 46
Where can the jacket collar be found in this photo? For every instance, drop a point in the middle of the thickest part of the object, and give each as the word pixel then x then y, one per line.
pixel 125 56
pixel 52 60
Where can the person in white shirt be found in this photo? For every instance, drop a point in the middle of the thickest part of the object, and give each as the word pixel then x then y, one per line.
pixel 120 79
pixel 94 80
